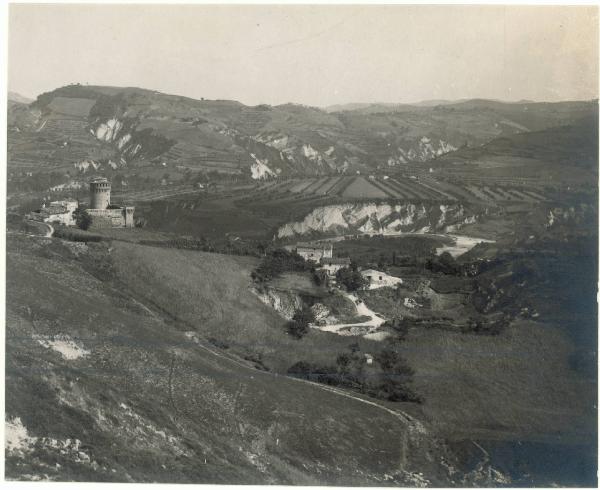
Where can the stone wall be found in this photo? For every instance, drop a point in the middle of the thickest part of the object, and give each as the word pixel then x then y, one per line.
pixel 111 218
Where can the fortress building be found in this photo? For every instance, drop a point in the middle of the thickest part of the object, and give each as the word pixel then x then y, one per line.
pixel 103 214
pixel 99 194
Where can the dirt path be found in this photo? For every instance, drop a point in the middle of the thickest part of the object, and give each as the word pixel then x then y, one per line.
pixel 410 422
pixel 362 309
pixel 50 230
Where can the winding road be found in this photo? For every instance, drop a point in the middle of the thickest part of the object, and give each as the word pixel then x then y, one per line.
pixel 362 309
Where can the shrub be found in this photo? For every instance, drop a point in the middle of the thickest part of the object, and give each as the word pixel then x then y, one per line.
pixel 320 277
pixel 399 326
pixel 299 325
pixel 75 235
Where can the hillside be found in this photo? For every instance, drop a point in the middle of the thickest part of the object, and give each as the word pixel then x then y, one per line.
pixel 141 136
pixel 137 354
pixel 568 153
pixel 105 384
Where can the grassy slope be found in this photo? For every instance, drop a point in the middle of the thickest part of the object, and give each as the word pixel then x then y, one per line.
pixel 149 405
pixel 518 385
pixel 520 369
pixel 567 152
pixel 211 294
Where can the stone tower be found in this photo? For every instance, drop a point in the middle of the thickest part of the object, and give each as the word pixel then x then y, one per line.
pixel 99 193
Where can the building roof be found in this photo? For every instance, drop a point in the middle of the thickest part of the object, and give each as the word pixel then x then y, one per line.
pixel 373 271
pixel 98 179
pixel 336 261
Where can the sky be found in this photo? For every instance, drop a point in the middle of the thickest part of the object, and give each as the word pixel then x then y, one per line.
pixel 314 55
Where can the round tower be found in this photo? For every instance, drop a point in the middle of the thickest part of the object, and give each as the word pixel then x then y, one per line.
pixel 99 193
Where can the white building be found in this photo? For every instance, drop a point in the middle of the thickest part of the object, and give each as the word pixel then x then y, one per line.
pixel 60 212
pixel 379 279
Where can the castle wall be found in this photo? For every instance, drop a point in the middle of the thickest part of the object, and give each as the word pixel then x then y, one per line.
pixel 129 216
pixel 108 218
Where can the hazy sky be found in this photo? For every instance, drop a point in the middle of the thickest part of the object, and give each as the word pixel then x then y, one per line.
pixel 317 55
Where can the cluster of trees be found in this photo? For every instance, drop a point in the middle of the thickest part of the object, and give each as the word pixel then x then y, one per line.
pixel 299 325
pixel 387 377
pixel 444 263
pixel 82 219
pixel 278 261
pixel 351 278
pixel 75 235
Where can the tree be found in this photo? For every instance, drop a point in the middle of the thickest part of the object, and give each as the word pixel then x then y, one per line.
pixel 351 278
pixel 299 325
pixel 320 277
pixel 82 219
pixel 444 263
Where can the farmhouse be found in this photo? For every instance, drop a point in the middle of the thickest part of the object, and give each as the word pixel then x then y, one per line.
pixel 102 213
pixel 58 212
pixel 334 264
pixel 314 252
pixel 379 279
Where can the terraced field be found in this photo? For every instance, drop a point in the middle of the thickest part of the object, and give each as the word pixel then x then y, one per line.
pixel 424 188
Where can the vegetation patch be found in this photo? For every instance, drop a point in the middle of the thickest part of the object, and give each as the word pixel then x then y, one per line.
pixel 385 376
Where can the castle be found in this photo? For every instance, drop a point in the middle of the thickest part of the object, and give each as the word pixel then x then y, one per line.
pixel 102 213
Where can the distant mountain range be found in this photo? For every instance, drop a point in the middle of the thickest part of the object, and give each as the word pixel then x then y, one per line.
pixel 391 106
pixel 115 129
pixel 15 97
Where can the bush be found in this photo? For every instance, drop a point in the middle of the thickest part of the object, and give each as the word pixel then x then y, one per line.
pixel 320 277
pixel 299 325
pixel 75 235
pixel 399 326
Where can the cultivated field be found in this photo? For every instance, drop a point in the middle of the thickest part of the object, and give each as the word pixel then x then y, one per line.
pixel 396 188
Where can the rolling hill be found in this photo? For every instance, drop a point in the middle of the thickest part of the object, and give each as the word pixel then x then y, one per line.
pixel 145 136
pixel 568 153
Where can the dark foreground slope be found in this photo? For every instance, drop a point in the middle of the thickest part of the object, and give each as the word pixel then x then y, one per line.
pixel 99 387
